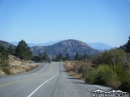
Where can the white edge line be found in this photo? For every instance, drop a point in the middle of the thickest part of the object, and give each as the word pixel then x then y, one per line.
pixel 43 84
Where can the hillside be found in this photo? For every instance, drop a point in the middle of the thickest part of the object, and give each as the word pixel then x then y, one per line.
pixel 67 46
pixel 5 44
pixel 17 66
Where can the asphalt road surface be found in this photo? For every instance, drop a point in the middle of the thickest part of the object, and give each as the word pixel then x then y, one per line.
pixel 50 80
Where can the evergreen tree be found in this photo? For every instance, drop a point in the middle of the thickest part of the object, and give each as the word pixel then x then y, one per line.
pixel 45 57
pixel 23 51
pixel 36 59
pixel 67 57
pixel 77 56
pixel 53 58
pixel 57 58
pixel 60 57
pixel 128 45
pixel 85 56
pixel 41 57
pixel 3 57
pixel 11 50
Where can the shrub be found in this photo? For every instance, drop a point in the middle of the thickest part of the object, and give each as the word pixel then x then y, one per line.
pixel 117 77
pixel 106 57
pixel 6 70
pixel 90 76
pixel 81 66
pixel 101 75
pixel 120 71
pixel 125 82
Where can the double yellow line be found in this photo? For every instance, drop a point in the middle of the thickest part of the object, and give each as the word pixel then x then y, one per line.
pixel 18 80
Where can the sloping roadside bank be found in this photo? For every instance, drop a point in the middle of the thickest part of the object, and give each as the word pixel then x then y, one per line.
pixel 16 66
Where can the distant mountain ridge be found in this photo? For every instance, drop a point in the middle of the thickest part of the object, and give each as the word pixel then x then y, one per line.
pixel 97 45
pixel 67 46
pixel 100 46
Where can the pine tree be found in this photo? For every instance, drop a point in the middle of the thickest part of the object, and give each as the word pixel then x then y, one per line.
pixel 60 57
pixel 11 50
pixel 36 59
pixel 45 57
pixel 41 57
pixel 77 56
pixel 57 58
pixel 67 57
pixel 85 56
pixel 3 57
pixel 23 51
pixel 53 58
pixel 128 45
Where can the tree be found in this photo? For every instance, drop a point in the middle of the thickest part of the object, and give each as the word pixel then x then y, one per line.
pixel 36 59
pixel 57 58
pixel 41 57
pixel 85 56
pixel 60 57
pixel 3 57
pixel 106 57
pixel 67 57
pixel 45 57
pixel 23 51
pixel 77 56
pixel 128 45
pixel 53 58
pixel 11 50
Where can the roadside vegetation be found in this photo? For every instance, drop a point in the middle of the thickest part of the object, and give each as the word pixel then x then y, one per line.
pixel 21 53
pixel 110 68
pixel 41 57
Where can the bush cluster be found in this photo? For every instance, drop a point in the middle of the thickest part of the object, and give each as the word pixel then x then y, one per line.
pixel 107 56
pixel 81 66
pixel 116 77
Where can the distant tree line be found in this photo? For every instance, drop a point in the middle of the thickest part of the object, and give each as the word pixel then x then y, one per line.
pixel 41 57
pixel 81 57
pixel 67 57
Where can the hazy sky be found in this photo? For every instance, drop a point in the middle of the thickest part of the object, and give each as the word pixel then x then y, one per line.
pixel 39 21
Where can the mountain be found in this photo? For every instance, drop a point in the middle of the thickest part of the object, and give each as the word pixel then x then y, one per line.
pixel 100 46
pixel 68 46
pixel 5 44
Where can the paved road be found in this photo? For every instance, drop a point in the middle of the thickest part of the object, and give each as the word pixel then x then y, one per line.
pixel 50 81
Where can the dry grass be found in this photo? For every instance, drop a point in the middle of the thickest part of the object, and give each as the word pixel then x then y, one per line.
pixel 17 66
pixel 69 66
pixel 2 73
pixel 16 69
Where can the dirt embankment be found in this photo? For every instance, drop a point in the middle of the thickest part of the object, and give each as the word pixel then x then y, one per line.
pixel 18 66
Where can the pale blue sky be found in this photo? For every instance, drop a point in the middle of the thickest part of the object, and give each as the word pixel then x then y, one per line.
pixel 39 21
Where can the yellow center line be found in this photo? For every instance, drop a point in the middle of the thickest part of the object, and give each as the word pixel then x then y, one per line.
pixel 18 80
